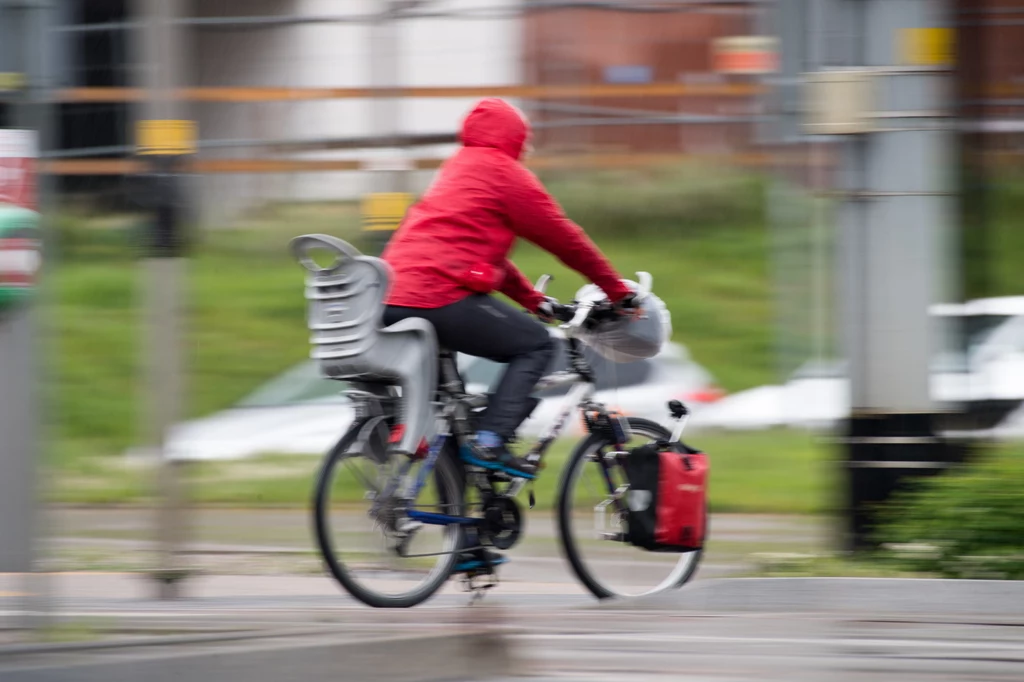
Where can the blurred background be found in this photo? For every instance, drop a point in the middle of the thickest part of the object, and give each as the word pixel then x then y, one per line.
pixel 827 193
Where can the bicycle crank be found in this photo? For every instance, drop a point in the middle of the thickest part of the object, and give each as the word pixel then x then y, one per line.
pixel 502 523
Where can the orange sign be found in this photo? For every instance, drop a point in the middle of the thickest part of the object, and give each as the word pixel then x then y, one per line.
pixel 745 55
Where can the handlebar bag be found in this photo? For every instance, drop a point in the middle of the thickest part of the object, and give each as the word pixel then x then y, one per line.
pixel 628 339
pixel 667 497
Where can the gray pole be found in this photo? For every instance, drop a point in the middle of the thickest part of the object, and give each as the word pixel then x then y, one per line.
pixel 19 427
pixel 21 353
pixel 385 112
pixel 894 218
pixel 160 51
pixel 788 217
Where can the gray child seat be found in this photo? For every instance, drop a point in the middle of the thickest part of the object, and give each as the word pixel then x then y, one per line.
pixel 345 306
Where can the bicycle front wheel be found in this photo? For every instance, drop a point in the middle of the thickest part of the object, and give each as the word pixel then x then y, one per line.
pixel 364 539
pixel 591 527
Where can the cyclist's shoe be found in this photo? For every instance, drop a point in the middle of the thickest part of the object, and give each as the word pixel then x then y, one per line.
pixel 478 561
pixel 498 458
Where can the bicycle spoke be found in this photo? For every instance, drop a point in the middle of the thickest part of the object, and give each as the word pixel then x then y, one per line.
pixel 379 556
pixel 362 479
pixel 594 532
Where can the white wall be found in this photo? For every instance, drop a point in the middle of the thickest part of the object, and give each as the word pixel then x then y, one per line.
pixel 434 52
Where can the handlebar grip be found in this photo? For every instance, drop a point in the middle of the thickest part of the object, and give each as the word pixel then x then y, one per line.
pixel 563 313
pixel 301 246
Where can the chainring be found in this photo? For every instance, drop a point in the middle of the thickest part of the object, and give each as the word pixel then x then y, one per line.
pixel 502 523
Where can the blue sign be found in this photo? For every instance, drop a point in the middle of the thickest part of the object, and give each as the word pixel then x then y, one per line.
pixel 628 74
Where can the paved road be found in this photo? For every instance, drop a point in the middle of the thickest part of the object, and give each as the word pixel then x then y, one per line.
pixel 560 636
pixel 550 626
pixel 773 647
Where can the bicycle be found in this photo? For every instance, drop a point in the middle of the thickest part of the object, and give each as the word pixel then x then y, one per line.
pixel 430 488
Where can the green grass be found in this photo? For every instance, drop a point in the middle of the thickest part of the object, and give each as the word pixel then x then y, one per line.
pixel 785 472
pixel 769 565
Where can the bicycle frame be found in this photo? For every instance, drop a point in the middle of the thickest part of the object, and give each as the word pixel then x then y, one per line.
pixel 455 404
pixel 578 397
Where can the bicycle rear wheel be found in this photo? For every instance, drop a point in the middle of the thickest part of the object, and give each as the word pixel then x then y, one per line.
pixel 587 520
pixel 364 551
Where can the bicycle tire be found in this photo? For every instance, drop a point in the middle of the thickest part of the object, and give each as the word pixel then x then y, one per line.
pixel 566 539
pixel 444 468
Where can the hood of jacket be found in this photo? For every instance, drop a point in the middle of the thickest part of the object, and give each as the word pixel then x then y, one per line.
pixel 496 124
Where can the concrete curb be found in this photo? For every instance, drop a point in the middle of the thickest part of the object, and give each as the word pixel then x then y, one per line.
pixel 335 657
pixel 153 641
pixel 842 596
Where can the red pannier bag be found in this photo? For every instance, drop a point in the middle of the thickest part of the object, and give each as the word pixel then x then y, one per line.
pixel 667 497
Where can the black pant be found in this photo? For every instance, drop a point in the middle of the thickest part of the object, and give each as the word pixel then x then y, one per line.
pixel 488 328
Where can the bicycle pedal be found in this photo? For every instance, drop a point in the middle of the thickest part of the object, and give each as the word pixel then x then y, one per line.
pixel 408 526
pixel 478 589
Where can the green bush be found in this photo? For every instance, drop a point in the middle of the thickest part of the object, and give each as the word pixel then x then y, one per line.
pixel 968 524
pixel 77 237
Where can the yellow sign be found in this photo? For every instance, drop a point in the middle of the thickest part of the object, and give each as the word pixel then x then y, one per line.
pixel 384 211
pixel 11 81
pixel 167 137
pixel 927 46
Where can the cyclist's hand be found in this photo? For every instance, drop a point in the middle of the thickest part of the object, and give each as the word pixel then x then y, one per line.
pixel 546 310
pixel 628 306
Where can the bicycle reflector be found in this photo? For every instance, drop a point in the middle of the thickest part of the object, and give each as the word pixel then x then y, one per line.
pixel 612 426
pixel 398 431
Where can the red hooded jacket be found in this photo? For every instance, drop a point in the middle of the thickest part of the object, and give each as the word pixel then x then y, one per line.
pixel 456 240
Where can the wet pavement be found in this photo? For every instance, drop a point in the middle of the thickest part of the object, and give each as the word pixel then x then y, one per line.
pixel 550 634
pixel 543 624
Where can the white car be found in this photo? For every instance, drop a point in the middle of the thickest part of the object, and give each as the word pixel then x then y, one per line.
pixel 986 375
pixel 299 412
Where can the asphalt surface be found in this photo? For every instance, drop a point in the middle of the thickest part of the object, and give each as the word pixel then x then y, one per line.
pixel 546 625
pixel 558 636
pixel 794 648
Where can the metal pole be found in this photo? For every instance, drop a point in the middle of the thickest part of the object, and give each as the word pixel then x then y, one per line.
pixel 974 48
pixel 818 156
pixel 22 521
pixel 385 112
pixel 788 21
pixel 161 53
pixel 894 217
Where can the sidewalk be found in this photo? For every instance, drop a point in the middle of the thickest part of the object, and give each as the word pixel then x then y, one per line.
pixel 279 541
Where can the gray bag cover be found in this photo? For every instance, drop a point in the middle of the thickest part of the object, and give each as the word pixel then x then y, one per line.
pixel 628 339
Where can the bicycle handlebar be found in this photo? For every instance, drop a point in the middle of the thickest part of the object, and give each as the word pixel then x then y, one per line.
pixel 578 314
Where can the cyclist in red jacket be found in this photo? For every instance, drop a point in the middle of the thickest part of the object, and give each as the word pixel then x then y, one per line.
pixel 452 251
